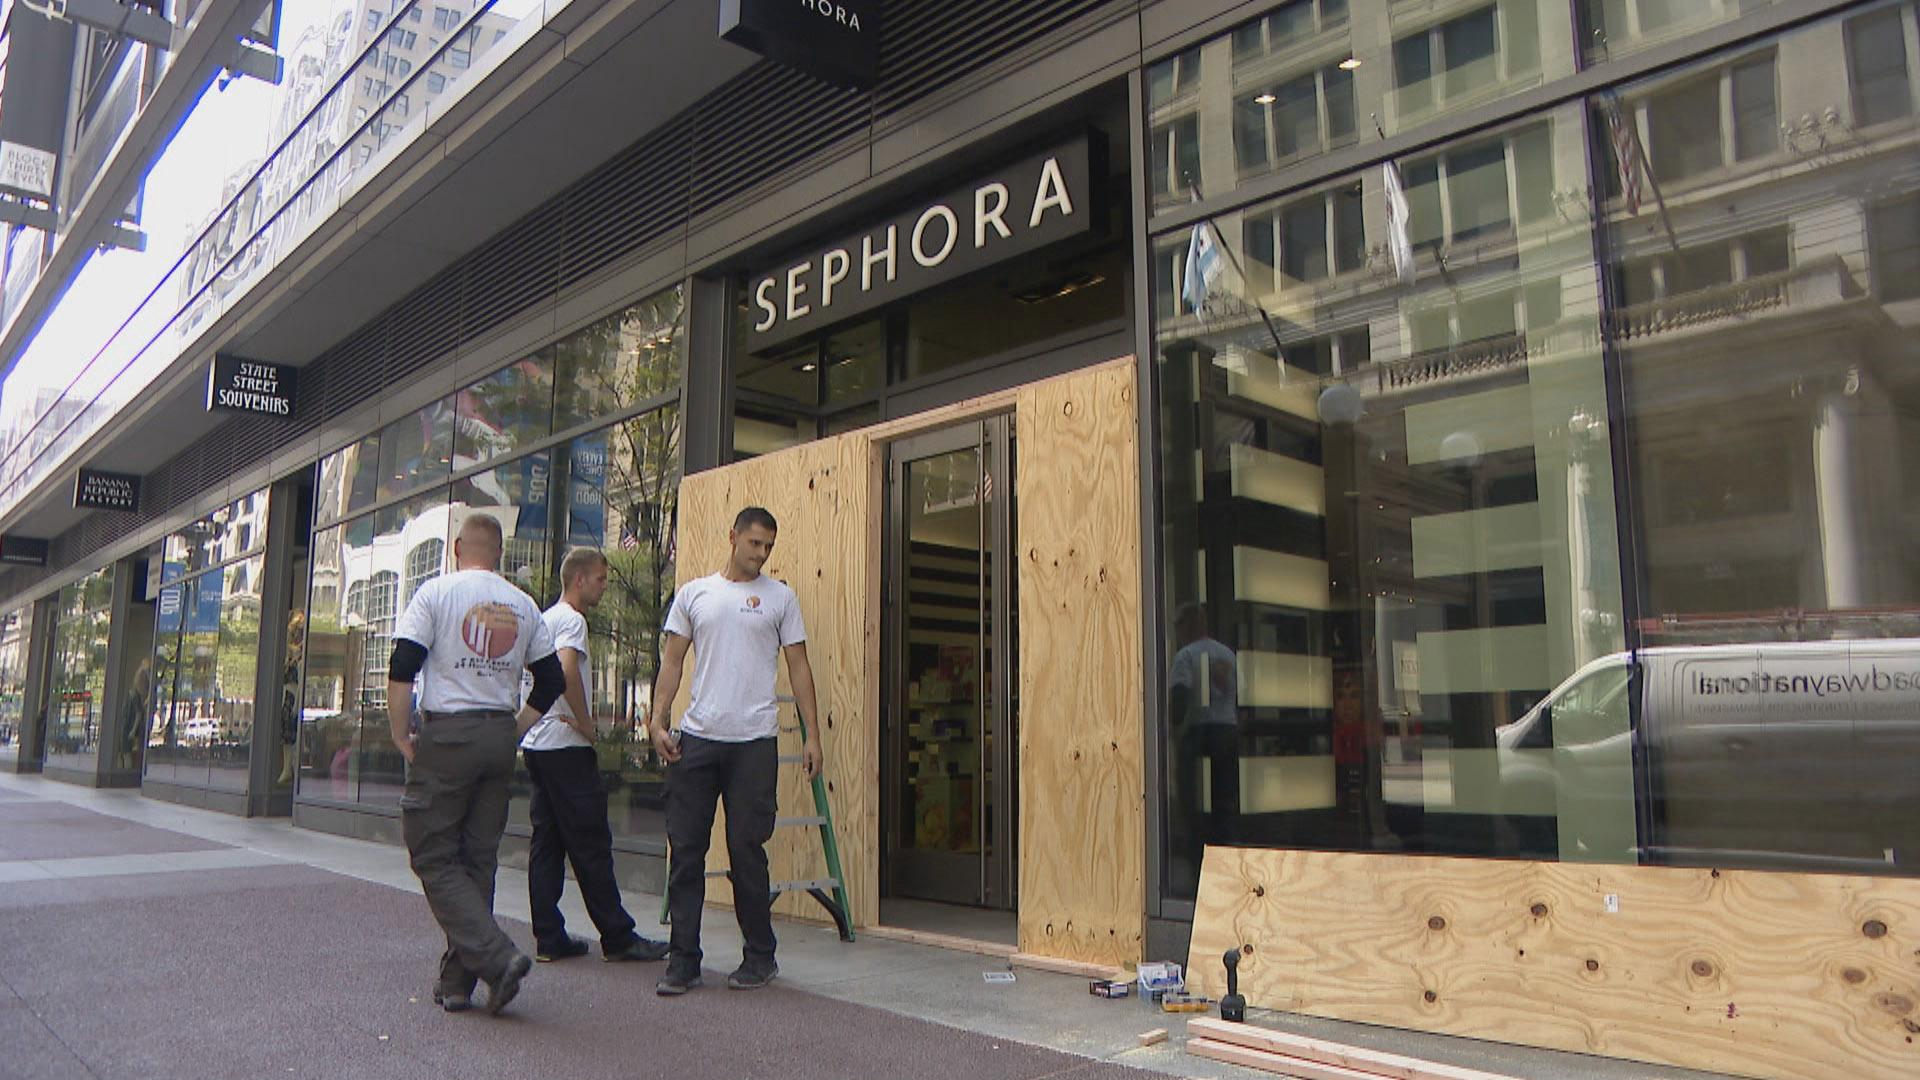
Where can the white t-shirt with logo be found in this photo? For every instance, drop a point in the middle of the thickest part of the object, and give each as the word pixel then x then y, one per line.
pixel 738 629
pixel 569 630
pixel 480 633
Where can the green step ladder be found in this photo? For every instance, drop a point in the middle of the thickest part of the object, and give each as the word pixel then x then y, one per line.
pixel 830 891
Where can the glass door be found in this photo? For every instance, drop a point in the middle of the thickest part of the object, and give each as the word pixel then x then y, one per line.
pixel 948 730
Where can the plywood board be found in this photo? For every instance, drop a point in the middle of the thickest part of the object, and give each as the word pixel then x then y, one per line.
pixel 823 495
pixel 1773 975
pixel 1081 778
pixel 1082 802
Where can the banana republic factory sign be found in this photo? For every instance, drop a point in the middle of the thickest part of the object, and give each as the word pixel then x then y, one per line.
pixel 1019 209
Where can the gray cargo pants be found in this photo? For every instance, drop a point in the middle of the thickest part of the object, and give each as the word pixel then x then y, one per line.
pixel 452 815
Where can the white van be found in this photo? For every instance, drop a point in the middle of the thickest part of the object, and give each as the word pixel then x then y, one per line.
pixel 1792 754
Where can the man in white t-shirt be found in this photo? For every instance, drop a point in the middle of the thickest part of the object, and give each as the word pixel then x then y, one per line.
pixel 569 807
pixel 739 623
pixel 467 635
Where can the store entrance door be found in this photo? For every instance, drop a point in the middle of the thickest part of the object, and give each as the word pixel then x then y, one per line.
pixel 948 729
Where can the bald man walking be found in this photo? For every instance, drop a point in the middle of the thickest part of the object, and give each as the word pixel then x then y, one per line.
pixel 467 636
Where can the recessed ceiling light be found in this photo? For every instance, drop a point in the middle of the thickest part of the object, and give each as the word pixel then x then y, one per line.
pixel 809 367
pixel 1265 99
pixel 1349 63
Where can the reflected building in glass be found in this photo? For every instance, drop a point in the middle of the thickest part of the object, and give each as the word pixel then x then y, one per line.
pixel 1442 438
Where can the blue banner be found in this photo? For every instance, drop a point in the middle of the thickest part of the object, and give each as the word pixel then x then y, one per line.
pixel 587 492
pixel 207 595
pixel 535 479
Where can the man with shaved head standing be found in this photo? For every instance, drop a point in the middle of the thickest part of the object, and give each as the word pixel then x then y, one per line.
pixel 468 636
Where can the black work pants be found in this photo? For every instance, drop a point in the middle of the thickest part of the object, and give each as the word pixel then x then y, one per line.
pixel 745 777
pixel 569 812
pixel 452 814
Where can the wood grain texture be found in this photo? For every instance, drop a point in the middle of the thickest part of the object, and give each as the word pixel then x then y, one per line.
pixel 1773 975
pixel 1082 777
pixel 1373 1062
pixel 1082 840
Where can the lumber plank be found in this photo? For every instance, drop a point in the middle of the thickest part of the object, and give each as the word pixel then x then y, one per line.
pixel 1372 1062
pixel 1781 976
pixel 1063 966
pixel 1266 1061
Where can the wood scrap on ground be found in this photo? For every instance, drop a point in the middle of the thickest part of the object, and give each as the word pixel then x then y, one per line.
pixel 1306 1058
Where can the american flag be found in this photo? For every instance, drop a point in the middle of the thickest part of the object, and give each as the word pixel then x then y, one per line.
pixel 628 541
pixel 1627 154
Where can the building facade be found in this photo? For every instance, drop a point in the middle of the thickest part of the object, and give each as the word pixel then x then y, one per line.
pixel 1489 363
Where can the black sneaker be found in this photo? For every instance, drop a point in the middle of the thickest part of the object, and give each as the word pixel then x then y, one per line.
pixel 752 976
pixel 453 1000
pixel 677 980
pixel 500 991
pixel 566 950
pixel 640 950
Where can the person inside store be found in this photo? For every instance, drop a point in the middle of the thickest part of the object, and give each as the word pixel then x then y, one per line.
pixel 569 807
pixel 739 623
pixel 467 636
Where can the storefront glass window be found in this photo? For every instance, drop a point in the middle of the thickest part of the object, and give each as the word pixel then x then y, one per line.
pixel 198 684
pixel 613 488
pixel 77 709
pixel 349 480
pixel 504 412
pixel 1391 532
pixel 1772 435
pixel 1612 29
pixel 1314 76
pixel 1427 588
pixel 620 362
pixel 16 636
pixel 417 449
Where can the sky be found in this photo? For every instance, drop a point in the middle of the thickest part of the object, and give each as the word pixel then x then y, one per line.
pixel 229 129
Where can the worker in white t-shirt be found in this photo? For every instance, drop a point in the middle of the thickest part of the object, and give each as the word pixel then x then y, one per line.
pixel 468 636
pixel 739 623
pixel 569 807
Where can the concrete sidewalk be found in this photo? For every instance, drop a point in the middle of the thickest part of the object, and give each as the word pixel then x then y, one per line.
pixel 143 939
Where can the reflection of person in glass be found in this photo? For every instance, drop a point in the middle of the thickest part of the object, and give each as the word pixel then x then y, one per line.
pixel 1203 706
pixel 569 808
pixel 467 636
pixel 290 693
pixel 133 718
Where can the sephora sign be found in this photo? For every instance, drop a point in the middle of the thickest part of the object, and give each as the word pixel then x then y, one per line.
pixel 1026 206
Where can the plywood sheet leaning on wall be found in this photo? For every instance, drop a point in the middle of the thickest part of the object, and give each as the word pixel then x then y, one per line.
pixel 822 494
pixel 1772 975
pixel 1082 834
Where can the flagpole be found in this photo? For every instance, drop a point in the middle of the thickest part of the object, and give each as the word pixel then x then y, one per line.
pixel 1265 319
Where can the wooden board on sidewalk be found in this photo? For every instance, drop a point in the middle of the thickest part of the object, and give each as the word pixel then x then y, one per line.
pixel 1374 1063
pixel 1774 975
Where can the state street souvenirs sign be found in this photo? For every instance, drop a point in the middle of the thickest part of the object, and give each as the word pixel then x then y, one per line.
pixel 249 386
pixel 97 490
pixel 1026 206
pixel 835 41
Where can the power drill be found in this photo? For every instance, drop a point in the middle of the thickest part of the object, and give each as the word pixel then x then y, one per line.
pixel 1233 1007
